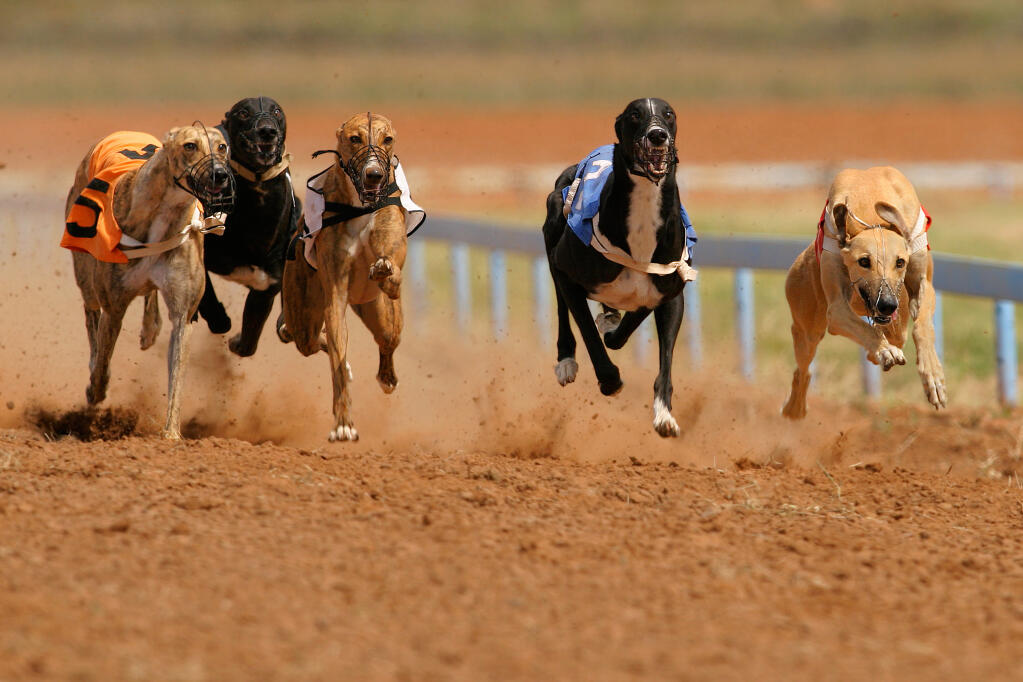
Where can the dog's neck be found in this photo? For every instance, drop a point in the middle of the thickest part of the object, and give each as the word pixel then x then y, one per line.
pixel 149 204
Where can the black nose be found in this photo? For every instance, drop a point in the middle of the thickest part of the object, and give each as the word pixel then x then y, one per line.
pixel 887 305
pixel 374 174
pixel 657 136
pixel 266 133
pixel 219 176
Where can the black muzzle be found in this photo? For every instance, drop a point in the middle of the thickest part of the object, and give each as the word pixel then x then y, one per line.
pixel 263 139
pixel 654 151
pixel 211 182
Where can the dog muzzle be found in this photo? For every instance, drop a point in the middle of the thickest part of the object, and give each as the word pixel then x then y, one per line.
pixel 654 161
pixel 211 182
pixel 264 139
pixel 371 190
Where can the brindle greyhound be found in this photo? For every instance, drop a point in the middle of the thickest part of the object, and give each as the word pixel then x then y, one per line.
pixel 160 250
pixel 360 251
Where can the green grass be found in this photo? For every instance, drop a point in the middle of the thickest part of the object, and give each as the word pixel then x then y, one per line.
pixel 476 52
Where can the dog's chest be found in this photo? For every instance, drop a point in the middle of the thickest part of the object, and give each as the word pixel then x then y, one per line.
pixel 631 289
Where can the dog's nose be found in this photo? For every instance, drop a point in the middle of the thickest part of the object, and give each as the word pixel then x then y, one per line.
pixel 266 133
pixel 220 177
pixel 657 136
pixel 887 305
pixel 374 175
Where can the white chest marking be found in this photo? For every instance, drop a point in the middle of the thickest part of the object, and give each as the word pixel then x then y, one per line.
pixel 632 289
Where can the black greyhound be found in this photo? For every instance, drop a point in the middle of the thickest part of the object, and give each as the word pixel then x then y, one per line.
pixel 251 250
pixel 624 240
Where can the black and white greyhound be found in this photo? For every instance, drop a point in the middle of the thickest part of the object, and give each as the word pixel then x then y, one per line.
pixel 616 232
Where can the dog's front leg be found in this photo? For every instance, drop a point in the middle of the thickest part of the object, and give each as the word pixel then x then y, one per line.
pixel 257 309
pixel 334 271
pixel 608 376
pixel 928 365
pixel 181 294
pixel 213 311
pixel 388 243
pixel 843 321
pixel 668 318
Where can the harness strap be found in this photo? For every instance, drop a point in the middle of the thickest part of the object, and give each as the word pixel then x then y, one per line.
pixel 345 212
pixel 268 174
pixel 133 248
pixel 617 255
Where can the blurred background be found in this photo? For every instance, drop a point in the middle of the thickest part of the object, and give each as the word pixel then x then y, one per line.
pixel 492 99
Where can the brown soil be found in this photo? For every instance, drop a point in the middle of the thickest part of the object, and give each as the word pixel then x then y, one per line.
pixel 489 525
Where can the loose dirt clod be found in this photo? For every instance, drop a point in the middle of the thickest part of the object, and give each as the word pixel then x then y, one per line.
pixel 86 424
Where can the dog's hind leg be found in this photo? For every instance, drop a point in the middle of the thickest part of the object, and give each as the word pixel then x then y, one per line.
pixel 567 368
pixel 108 328
pixel 151 321
pixel 616 338
pixel 608 376
pixel 302 303
pixel 383 317
pixel 668 319
pixel 804 342
pixel 257 309
pixel 334 273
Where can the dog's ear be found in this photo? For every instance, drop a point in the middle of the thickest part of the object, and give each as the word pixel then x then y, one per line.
pixel 171 134
pixel 618 125
pixel 838 214
pixel 889 214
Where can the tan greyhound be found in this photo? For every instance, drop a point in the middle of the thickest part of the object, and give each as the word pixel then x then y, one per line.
pixel 134 226
pixel 354 235
pixel 870 259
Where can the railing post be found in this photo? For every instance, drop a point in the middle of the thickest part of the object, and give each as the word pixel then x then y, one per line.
pixel 744 320
pixel 461 285
pixel 542 299
pixel 415 263
pixel 1005 350
pixel 939 326
pixel 641 340
pixel 498 294
pixel 871 377
pixel 691 292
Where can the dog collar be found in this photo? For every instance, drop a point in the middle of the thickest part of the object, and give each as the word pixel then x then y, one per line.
pixel 261 176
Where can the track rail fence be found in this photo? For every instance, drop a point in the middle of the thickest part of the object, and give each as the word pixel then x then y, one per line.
pixel 999 281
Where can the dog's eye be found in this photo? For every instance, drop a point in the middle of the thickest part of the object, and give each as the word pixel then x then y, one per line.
pixel 355 139
pixel 900 263
pixel 388 140
pixel 668 115
pixel 634 116
pixel 864 262
pixel 243 114
pixel 190 146
pixel 221 147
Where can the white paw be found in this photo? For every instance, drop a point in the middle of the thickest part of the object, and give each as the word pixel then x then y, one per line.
pixel 348 371
pixel 607 322
pixel 343 433
pixel 888 357
pixel 664 424
pixel 566 370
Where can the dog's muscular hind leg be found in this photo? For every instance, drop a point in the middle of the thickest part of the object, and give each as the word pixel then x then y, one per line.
pixel 608 376
pixel 108 329
pixel 804 342
pixel 567 368
pixel 383 317
pixel 303 303
pixel 151 321
pixel 617 337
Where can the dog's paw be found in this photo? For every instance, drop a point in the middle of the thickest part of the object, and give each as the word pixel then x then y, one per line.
pixel 664 424
pixel 170 434
pixel 95 395
pixel 344 432
pixel 611 384
pixel 566 370
pixel 607 322
pixel 147 337
pixel 381 269
pixel 243 350
pixel 793 410
pixel 388 381
pixel 887 357
pixel 218 320
pixel 932 376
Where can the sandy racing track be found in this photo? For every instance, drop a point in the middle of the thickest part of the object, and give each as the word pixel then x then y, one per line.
pixel 491 526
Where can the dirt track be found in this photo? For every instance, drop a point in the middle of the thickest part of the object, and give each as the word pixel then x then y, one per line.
pixel 491 525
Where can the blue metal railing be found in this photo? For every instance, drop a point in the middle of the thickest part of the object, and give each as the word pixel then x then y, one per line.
pixel 1000 281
